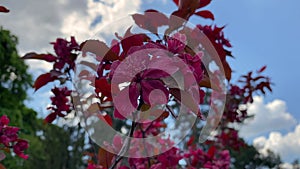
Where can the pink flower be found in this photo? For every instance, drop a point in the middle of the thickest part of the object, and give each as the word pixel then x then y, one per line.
pixel 60 103
pixel 10 139
pixel 63 50
pixel 176 43
pixel 19 147
pixel 4 120
pixel 143 70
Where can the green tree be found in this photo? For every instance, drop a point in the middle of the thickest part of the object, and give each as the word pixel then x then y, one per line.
pixel 248 157
pixel 14 79
pixel 48 143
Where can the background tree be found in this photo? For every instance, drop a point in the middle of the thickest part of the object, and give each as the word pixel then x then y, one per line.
pixel 48 143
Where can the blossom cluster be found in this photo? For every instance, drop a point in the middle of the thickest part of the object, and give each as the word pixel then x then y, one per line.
pixel 9 138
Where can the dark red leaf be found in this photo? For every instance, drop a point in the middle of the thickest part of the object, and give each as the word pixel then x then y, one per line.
pixel 103 87
pixel 50 118
pixel 106 118
pixel 228 70
pixel 211 151
pixel 189 5
pixel 229 53
pixel 91 65
pixel 134 40
pixel 259 77
pixel 3 9
pixel 176 2
pixel 191 141
pixel 262 69
pixel 186 99
pixel 45 57
pixel 84 73
pixel 204 3
pixel 175 20
pixel 150 20
pixel 104 157
pixel 206 14
pixel 99 49
pixel 42 80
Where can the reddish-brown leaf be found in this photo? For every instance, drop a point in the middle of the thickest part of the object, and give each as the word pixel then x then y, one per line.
pixel 189 5
pixel 191 141
pixel 50 118
pixel 206 14
pixel 42 80
pixel 104 157
pixel 150 20
pixel 106 118
pixel 103 87
pixel 227 70
pixel 262 69
pixel 176 2
pixel 3 9
pixel 2 166
pixel 205 82
pixel 186 99
pixel 204 3
pixel 45 57
pixel 134 40
pixel 91 65
pixel 99 49
pixel 211 151
pixel 84 73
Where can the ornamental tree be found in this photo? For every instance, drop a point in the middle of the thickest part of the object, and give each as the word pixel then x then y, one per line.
pixel 165 82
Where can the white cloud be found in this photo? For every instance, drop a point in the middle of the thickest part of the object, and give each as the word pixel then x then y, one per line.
pixel 37 23
pixel 287 146
pixel 268 117
pixel 111 13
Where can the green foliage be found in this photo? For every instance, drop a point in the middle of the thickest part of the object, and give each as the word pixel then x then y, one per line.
pixel 248 157
pixel 48 143
pixel 14 79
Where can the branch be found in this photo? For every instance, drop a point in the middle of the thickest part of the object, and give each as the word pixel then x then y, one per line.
pixel 126 144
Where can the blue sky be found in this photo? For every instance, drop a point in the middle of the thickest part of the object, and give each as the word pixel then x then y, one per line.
pixel 262 32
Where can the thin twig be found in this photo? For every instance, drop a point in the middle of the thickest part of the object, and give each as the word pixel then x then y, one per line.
pixel 125 146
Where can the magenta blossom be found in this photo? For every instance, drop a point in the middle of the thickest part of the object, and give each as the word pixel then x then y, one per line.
pixel 9 138
pixel 142 70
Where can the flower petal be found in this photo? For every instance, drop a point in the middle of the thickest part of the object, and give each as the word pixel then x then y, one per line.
pixel 154 92
pixel 125 102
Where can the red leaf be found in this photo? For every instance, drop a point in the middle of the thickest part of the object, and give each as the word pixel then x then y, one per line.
pixel 211 151
pixel 186 99
pixel 2 166
pixel 189 5
pixel 45 57
pixel 99 49
pixel 84 73
pixel 42 80
pixel 204 3
pixel 50 118
pixel 191 140
pixel 206 14
pixel 3 9
pixel 228 70
pixel 104 157
pixel 134 40
pixel 150 20
pixel 176 2
pixel 103 87
pixel 91 65
pixel 106 118
pixel 262 69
